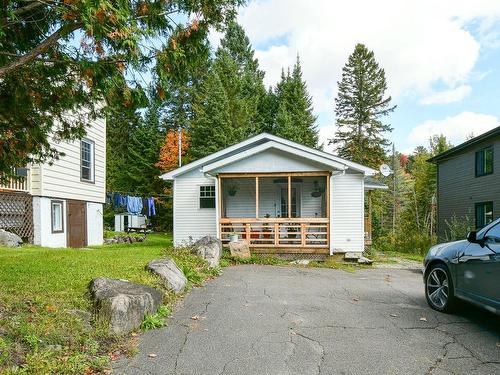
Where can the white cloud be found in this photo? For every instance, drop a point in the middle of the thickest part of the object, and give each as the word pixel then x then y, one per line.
pixel 455 128
pixel 447 96
pixel 418 43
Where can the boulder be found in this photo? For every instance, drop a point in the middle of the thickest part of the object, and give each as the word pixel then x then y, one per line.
pixel 9 239
pixel 171 275
pixel 301 262
pixel 122 305
pixel 364 260
pixel 240 249
pixel 210 249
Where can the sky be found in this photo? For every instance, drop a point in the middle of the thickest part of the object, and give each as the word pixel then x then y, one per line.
pixel 441 58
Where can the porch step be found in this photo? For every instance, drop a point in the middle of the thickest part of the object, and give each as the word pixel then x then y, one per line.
pixel 352 257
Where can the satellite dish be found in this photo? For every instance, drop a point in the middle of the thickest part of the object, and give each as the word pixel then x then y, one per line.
pixel 385 170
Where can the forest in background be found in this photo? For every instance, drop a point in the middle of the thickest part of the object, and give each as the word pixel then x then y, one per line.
pixel 222 100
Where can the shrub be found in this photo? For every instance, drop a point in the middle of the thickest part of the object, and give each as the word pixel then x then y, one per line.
pixel 410 243
pixel 458 227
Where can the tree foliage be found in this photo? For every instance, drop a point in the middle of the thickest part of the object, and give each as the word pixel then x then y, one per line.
pixel 61 62
pixel 294 119
pixel 359 108
pixel 169 152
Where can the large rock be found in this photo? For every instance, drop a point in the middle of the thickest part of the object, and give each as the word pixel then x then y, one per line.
pixel 9 239
pixel 210 249
pixel 240 249
pixel 122 304
pixel 171 275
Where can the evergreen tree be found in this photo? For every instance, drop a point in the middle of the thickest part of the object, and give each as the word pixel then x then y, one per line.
pixel 294 117
pixel 120 124
pixel 359 108
pixel 212 129
pixel 141 171
pixel 242 80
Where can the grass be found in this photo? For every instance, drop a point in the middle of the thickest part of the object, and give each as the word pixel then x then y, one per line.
pixel 38 333
pixel 392 256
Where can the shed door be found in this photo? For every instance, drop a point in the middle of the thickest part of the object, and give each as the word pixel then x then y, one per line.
pixel 77 224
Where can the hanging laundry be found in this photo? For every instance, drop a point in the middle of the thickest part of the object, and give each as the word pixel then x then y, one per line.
pixel 144 206
pixel 117 200
pixel 151 206
pixel 134 205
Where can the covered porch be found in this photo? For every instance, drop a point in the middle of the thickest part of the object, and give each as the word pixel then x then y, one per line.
pixel 285 212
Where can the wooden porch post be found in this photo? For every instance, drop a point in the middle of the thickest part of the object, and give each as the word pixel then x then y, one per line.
pixel 289 203
pixel 256 197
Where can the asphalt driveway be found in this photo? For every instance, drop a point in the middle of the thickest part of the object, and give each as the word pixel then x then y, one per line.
pixel 284 320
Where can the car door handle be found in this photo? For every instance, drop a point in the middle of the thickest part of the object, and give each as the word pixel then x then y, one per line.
pixel 466 258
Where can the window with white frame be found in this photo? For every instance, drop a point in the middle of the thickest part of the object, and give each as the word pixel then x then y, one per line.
pixel 207 196
pixel 57 216
pixel 87 160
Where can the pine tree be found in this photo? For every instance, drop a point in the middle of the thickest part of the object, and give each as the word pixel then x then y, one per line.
pixel 294 117
pixel 359 108
pixel 212 129
pixel 242 80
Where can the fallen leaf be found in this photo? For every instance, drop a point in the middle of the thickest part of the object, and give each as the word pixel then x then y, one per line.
pixel 152 355
pixel 195 317
pixel 393 315
pixel 423 319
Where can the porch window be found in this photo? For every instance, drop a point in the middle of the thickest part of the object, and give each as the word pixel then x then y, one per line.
pixel 278 196
pixel 207 196
pixel 238 197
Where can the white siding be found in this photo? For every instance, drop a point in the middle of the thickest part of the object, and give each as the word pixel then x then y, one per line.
pixel 191 222
pixel 347 213
pixel 42 224
pixel 62 179
pixel 272 161
pixel 95 235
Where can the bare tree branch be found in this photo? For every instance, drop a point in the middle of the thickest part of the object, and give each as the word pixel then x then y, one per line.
pixel 41 48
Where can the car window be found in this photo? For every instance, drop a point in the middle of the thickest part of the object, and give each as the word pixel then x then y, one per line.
pixel 493 235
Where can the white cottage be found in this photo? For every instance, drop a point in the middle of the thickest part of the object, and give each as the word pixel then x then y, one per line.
pixel 280 196
pixel 61 205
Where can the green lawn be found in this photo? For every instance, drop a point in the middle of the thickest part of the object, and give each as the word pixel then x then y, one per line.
pixel 39 286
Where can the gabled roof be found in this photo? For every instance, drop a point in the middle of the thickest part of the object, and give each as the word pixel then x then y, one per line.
pixel 471 142
pixel 262 142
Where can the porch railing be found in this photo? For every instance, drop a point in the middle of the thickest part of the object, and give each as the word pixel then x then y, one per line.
pixel 278 232
pixel 17 184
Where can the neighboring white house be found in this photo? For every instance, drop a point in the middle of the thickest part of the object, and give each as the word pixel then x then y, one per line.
pixel 61 205
pixel 282 197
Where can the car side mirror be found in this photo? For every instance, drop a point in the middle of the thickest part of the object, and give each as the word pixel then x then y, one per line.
pixel 472 237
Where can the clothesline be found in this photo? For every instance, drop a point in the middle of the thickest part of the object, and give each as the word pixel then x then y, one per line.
pixel 134 205
pixel 139 195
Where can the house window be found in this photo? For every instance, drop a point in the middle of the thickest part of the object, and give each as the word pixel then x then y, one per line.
pixel 484 161
pixel 87 160
pixel 484 214
pixel 57 217
pixel 207 196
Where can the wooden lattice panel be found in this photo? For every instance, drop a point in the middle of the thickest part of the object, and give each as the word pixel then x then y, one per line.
pixel 16 214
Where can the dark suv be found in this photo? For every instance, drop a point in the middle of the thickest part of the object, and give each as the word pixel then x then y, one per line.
pixel 467 269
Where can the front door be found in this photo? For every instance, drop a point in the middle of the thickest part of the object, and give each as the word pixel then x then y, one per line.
pixel 77 224
pixel 283 199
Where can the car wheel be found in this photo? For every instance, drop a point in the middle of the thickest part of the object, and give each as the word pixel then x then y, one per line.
pixel 439 289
